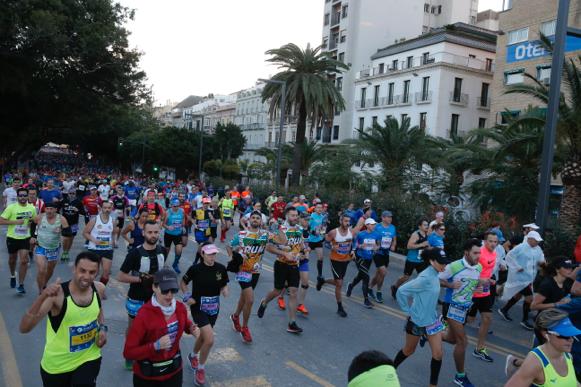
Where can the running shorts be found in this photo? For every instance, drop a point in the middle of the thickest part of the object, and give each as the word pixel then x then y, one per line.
pixel 285 276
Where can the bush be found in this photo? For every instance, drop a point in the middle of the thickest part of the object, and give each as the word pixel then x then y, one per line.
pixel 559 242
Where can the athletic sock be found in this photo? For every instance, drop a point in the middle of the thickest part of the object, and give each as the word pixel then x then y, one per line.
pixel 435 366
pixel 460 374
pixel 510 303
pixel 339 305
pixel 319 269
pixel 399 358
pixel 526 308
pixel 201 366
pixel 177 258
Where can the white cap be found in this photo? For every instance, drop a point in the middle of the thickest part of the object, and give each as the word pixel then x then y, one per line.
pixel 534 235
pixel 370 221
pixel 531 225
pixel 367 201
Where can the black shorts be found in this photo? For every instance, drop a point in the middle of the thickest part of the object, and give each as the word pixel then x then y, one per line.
pixel 120 222
pixel 85 375
pixel 14 245
pixel 175 381
pixel 526 292
pixel 168 239
pixel 316 245
pixel 481 304
pixel 286 276
pixel 381 259
pixel 107 254
pixel 202 318
pixel 252 283
pixel 214 231
pixel 412 329
pixel 339 268
pixel 411 266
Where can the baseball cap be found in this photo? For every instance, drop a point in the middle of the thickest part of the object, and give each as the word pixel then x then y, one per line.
pixel 175 202
pixel 436 254
pixel 316 201
pixel 302 197
pixel 210 249
pixel 166 279
pixel 367 201
pixel 565 328
pixel 92 187
pixel 534 235
pixel 531 225
pixel 564 262
pixel 386 213
pixel 370 221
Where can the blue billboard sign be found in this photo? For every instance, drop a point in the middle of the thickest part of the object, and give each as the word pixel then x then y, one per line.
pixel 534 49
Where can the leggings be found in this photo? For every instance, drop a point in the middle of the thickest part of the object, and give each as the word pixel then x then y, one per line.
pixel 363 266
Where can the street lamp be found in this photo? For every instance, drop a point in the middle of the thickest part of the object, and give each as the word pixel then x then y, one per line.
pixel 282 110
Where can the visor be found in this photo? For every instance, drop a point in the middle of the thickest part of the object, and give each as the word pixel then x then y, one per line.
pixel 565 328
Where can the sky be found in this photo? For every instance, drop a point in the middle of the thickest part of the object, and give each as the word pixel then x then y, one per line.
pixel 218 46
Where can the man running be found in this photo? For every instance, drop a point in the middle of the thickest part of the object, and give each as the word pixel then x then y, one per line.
pixel 100 232
pixel 367 244
pixel 137 270
pixel 72 208
pixel 155 211
pixel 289 248
pixel 18 217
pixel 121 208
pixel 75 330
pixel 388 243
pixel 317 230
pixel 460 278
pixel 247 249
pixel 174 223
pixel 226 207
pixel 9 195
pixel 50 193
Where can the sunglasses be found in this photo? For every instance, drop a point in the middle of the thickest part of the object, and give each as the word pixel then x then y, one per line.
pixel 442 229
pixel 561 337
pixel 166 292
pixel 23 196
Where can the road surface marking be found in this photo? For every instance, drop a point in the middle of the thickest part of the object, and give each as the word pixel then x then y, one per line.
pixel 9 364
pixel 308 374
pixel 256 381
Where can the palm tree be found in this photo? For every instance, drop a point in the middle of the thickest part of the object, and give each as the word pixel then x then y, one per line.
pixel 568 137
pixel 310 92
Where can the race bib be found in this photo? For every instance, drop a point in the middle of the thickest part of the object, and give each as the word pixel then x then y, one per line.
pixel 243 276
pixel 210 305
pixel 227 212
pixel 172 330
pixel 74 228
pixel 368 244
pixel 144 265
pixel 343 248
pixel 82 336
pixel 435 327
pixel 386 242
pixel 52 254
pixel 458 312
pixel 103 243
pixel 21 230
pixel 203 224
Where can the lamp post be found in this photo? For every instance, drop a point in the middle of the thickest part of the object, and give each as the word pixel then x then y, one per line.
pixel 282 110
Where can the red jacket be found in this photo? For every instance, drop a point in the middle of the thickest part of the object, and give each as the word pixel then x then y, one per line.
pixel 149 326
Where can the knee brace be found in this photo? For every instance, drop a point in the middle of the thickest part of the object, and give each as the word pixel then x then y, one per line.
pixel 305 286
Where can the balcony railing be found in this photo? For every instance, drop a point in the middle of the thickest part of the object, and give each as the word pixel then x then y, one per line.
pixel 483 103
pixel 459 99
pixel 403 99
pixel 424 97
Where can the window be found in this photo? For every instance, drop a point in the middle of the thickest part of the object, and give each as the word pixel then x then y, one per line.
pixel 410 62
pixel 390 90
pixel 345 8
pixel 406 91
pixel 326 19
pixel 363 96
pixel 517 36
pixel 374 120
pixel 457 89
pixel 454 125
pixel 425 88
pixel 376 95
pixel 484 94
pixel 318 135
pixel 341 57
pixel 394 64
pixel 381 68
pixel 439 9
pixel 403 118
pixel 514 77
pixel 325 42
pixel 425 58
pixel 343 37
pixel 388 117
pixel 340 83
pixel 336 132
pixel 488 64
pixel 544 74
pixel 427 8
pixel 361 123
pixel 548 28
pixel 482 122
pixel 423 118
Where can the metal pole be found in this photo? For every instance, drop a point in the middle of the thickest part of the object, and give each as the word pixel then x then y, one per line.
pixel 201 148
pixel 279 154
pixel 143 157
pixel 552 114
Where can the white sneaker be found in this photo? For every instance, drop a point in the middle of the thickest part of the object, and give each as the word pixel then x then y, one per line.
pixel 509 366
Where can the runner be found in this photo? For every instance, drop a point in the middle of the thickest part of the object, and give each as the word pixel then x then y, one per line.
pixel 246 251
pixel 226 207
pixel 289 248
pixel 418 241
pixel 132 194
pixel 388 243
pixel 174 224
pixel 317 230
pixel 9 195
pixel 91 202
pixel 39 206
pixel 482 299
pixel 137 270
pixel 71 209
pixel 367 243
pixel 460 278
pixel 50 193
pixel 154 210
pixel 419 298
pixel 104 190
pixel 187 207
pixel 49 227
pixel 341 239
pixel 75 330
pixel 436 237
pixel 304 220
pixel 121 208
pixel 18 217
pixel 133 231
pixel 209 280
pixel 202 219
pixel 549 364
pixel 100 232
pixel 278 208
pixel 555 288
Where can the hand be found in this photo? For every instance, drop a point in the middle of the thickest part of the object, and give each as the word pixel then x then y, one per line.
pixel 32 241
pixel 19 222
pixel 131 241
pixel 456 285
pixel 191 301
pixel 164 342
pixel 53 289
pixel 289 256
pixel 225 292
pixel 564 301
pixel 101 339
pixel 194 330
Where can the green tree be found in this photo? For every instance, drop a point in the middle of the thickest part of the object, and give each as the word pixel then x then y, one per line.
pixel 310 92
pixel 228 141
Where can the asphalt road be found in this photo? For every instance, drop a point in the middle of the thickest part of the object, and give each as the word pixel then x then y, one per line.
pixel 318 357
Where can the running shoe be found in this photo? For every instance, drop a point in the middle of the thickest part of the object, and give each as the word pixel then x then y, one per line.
pixel 302 309
pixel 294 328
pixel 379 297
pixel 504 314
pixel 281 304
pixel 349 289
pixel 12 282
pixel 193 362
pixel 176 267
pixel 371 295
pixel 235 322
pixel 367 303
pixel 128 365
pixel 200 378
pixel 341 312
pixel 261 309
pixel 245 333
pixel 526 325
pixel 509 366
pixel 463 381
pixel 393 292
pixel 65 256
pixel 320 283
pixel 20 289
pixel 482 354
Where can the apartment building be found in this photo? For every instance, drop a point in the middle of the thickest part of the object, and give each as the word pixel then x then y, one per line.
pixel 354 29
pixel 439 80
pixel 519 51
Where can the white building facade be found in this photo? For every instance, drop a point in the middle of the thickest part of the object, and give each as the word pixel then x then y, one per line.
pixel 441 81
pixel 352 31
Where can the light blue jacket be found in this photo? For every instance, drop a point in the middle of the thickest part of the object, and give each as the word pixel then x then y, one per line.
pixel 423 293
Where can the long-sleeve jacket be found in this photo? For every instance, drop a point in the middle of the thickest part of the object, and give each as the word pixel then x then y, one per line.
pixel 423 292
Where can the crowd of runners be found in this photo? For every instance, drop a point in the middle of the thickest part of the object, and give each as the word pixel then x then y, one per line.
pixel 175 288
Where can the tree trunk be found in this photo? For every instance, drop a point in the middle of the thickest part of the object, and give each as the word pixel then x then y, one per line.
pixel 570 212
pixel 300 140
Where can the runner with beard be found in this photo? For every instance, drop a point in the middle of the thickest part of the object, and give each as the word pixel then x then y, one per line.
pixel 121 208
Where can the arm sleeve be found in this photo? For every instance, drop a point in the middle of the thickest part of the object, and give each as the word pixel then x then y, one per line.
pixel 134 348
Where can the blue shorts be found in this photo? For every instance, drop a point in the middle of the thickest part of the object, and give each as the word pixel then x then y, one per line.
pixel 133 307
pixel 304 265
pixel 200 236
pixel 49 254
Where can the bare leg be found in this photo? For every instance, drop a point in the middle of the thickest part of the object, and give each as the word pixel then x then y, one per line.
pixel 292 309
pixel 22 265
pixel 304 286
pixel 12 263
pixel 204 343
pixel 41 270
pixel 485 322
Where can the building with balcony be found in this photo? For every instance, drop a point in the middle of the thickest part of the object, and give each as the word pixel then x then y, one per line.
pixel 519 51
pixel 439 80
pixel 353 29
pixel 209 112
